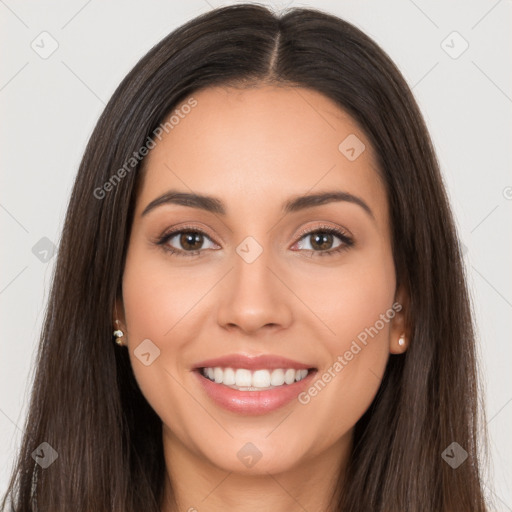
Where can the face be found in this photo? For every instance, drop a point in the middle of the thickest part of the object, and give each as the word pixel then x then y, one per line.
pixel 259 285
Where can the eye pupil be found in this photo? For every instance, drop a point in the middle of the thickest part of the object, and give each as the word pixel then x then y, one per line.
pixel 191 238
pixel 321 240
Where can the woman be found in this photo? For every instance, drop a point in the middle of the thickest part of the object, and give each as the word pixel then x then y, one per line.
pixel 260 224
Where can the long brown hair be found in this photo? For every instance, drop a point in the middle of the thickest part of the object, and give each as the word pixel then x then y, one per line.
pixel 85 401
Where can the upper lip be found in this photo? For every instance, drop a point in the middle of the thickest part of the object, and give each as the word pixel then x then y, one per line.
pixel 260 362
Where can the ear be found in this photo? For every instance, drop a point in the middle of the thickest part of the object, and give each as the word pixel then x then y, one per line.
pixel 118 318
pixel 399 329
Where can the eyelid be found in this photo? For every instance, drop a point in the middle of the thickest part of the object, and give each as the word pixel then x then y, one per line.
pixel 341 233
pixel 309 230
pixel 187 227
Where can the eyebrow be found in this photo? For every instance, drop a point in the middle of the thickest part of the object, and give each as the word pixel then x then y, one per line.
pixel 215 205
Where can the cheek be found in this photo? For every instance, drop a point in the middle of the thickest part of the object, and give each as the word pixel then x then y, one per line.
pixel 164 305
pixel 158 295
pixel 159 307
pixel 359 300
pixel 350 298
pixel 356 305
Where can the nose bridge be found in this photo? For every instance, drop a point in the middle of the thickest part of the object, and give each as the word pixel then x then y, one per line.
pixel 252 262
pixel 252 295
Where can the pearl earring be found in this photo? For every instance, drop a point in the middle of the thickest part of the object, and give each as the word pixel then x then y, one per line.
pixel 401 341
pixel 118 335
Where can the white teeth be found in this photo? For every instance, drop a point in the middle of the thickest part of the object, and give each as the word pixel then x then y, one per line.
pixel 229 377
pixel 289 376
pixel 217 375
pixel 300 374
pixel 245 380
pixel 277 378
pixel 261 379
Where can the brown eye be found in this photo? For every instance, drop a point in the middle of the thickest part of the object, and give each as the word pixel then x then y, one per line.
pixel 324 241
pixel 191 240
pixel 321 241
pixel 186 242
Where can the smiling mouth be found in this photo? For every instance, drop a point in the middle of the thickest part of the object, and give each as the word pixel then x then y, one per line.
pixel 242 379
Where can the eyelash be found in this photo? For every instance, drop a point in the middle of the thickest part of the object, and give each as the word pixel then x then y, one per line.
pixel 347 241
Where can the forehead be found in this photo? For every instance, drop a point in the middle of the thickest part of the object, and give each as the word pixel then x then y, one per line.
pixel 256 147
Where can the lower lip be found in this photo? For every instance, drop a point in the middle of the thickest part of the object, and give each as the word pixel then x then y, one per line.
pixel 253 402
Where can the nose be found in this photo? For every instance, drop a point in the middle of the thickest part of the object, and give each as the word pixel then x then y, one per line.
pixel 253 296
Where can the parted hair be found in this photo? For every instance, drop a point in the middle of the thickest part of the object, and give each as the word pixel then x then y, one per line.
pixel 85 401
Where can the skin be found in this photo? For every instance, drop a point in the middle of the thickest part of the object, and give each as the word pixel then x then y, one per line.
pixel 254 149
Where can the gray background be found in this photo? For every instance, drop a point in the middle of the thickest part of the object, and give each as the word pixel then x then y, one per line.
pixel 50 105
